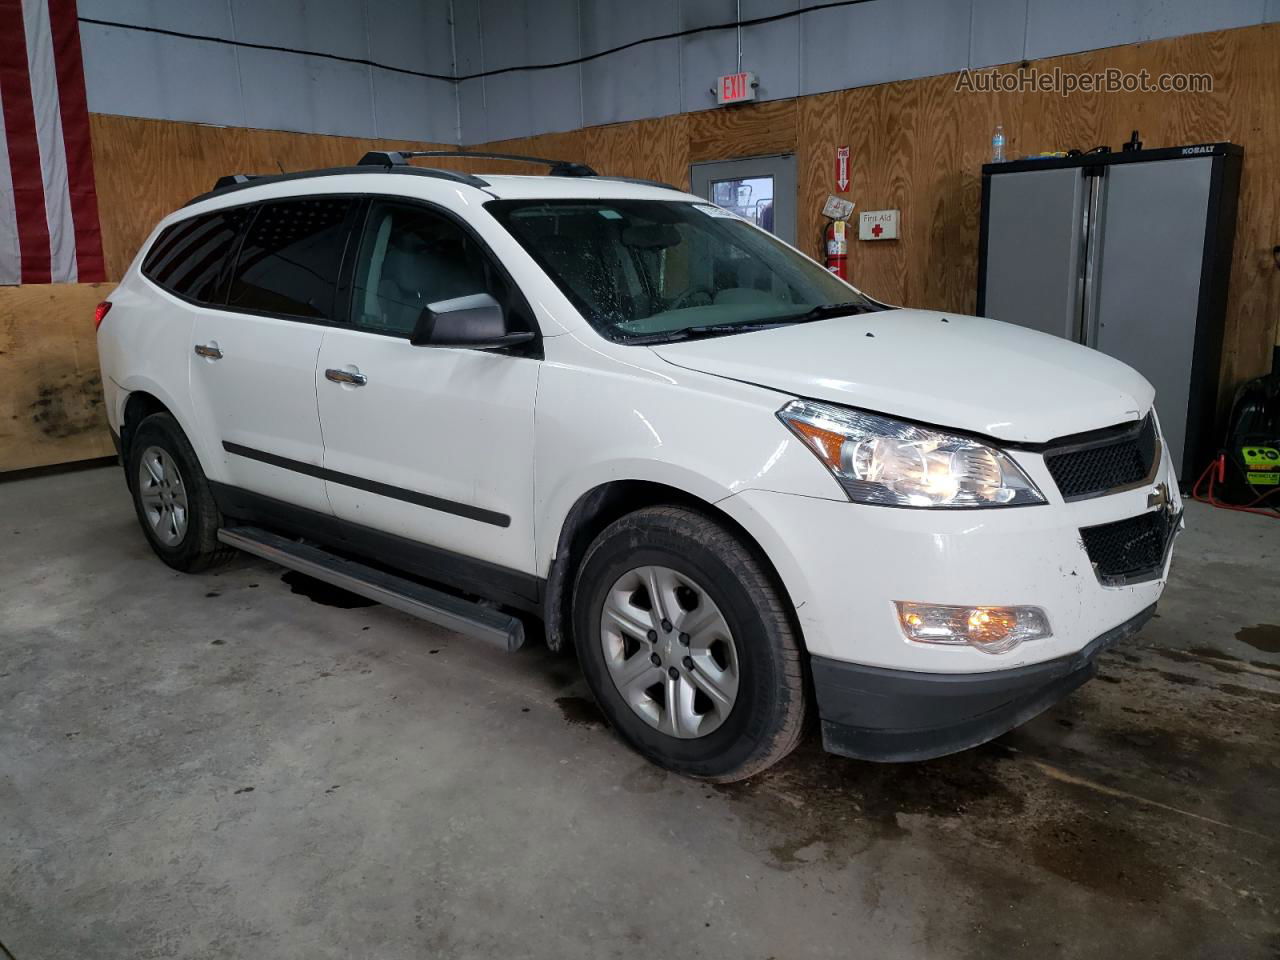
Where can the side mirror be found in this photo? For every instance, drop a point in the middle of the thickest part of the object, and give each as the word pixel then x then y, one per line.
pixel 477 321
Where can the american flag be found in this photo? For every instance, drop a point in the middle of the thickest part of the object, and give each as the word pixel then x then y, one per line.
pixel 48 206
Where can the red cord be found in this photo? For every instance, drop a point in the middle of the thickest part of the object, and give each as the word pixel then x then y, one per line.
pixel 1219 468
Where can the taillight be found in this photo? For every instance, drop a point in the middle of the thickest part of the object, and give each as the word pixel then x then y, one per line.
pixel 100 313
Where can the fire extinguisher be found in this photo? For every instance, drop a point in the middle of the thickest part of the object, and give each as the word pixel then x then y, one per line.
pixel 837 249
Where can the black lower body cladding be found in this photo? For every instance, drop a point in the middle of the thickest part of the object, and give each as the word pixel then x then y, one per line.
pixel 873 713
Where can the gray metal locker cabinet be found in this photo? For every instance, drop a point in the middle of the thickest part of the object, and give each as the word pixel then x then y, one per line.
pixel 1038 251
pixel 1148 279
pixel 1138 251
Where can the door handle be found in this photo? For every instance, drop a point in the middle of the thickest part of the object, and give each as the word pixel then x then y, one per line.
pixel 346 376
pixel 209 351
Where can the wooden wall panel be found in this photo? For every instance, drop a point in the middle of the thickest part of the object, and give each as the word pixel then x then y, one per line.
pixel 655 149
pixel 919 146
pixel 50 389
pixel 145 169
pixel 755 132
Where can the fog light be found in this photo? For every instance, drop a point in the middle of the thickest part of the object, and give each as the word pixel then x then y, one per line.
pixel 990 629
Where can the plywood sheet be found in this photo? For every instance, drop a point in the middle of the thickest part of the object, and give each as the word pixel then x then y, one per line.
pixel 50 390
pixel 146 169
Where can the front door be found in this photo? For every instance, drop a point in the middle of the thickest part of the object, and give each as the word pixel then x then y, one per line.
pixel 430 444
pixel 253 363
pixel 759 189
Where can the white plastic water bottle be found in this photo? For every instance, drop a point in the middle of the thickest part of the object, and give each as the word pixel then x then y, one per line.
pixel 997 144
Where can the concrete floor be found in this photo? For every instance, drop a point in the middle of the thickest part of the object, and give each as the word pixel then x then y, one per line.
pixel 218 766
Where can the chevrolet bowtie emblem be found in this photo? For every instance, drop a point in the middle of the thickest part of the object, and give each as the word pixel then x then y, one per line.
pixel 1159 497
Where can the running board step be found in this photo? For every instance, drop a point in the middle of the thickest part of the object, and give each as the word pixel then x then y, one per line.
pixel 443 609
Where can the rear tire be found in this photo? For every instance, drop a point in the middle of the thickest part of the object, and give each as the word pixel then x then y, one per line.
pixel 171 495
pixel 724 699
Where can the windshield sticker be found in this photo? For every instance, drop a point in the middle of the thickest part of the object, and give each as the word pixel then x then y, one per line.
pixel 713 211
pixel 611 214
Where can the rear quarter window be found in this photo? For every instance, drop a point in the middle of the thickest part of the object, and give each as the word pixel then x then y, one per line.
pixel 289 261
pixel 191 258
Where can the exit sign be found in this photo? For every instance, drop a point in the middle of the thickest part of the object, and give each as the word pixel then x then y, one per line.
pixel 736 88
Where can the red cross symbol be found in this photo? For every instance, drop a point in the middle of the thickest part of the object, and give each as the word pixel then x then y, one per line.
pixel 877 230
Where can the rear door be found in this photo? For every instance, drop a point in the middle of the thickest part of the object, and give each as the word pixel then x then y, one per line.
pixel 430 444
pixel 253 361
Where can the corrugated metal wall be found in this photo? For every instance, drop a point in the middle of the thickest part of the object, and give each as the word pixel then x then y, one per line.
pixel 875 42
pixel 140 74
pixel 136 73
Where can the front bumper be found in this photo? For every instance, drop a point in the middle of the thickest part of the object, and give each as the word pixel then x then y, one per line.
pixel 874 713
pixel 883 697
pixel 845 564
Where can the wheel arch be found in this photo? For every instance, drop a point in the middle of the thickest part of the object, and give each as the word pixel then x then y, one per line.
pixel 602 505
pixel 139 405
pixel 143 397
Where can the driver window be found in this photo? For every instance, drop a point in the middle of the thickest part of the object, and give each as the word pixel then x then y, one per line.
pixel 411 257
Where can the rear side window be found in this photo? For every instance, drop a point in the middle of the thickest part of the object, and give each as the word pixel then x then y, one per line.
pixel 290 258
pixel 190 258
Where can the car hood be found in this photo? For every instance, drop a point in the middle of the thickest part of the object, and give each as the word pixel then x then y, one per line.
pixel 967 373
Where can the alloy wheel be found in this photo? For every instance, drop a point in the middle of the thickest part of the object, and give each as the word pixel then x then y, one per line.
pixel 669 651
pixel 163 496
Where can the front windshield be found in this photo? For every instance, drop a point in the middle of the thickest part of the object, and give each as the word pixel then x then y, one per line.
pixel 648 270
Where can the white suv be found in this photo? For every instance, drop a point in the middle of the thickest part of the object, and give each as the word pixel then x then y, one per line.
pixel 741 489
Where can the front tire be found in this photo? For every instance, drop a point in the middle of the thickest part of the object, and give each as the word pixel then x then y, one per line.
pixel 688 645
pixel 171 495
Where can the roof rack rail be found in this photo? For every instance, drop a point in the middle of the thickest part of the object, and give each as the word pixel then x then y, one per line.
pixel 400 158
pixel 235 180
pixel 238 181
pixel 397 161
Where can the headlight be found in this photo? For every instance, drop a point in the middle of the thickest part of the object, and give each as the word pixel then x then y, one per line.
pixel 888 462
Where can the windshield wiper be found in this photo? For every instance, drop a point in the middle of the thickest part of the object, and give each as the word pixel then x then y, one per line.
pixel 820 312
pixel 824 311
pixel 707 330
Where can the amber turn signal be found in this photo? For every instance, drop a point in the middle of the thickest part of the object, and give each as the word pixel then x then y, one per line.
pixel 990 629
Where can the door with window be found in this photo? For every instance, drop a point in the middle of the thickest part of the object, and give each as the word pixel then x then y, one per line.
pixel 432 444
pixel 253 360
pixel 759 189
